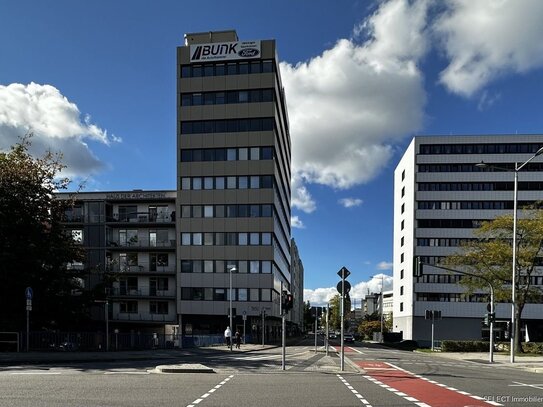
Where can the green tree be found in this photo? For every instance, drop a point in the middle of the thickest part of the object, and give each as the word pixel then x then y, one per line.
pixel 35 248
pixel 335 312
pixel 367 328
pixel 308 319
pixel 490 256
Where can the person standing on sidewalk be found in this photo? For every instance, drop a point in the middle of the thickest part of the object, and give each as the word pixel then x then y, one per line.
pixel 238 339
pixel 227 336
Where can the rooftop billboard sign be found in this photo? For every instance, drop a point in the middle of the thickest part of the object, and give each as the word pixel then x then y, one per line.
pixel 223 51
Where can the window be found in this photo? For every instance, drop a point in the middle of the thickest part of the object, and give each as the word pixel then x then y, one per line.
pixel 219 211
pixel 208 211
pixel 254 294
pixel 401 290
pixel 208 239
pixel 208 266
pixel 403 175
pixel 255 153
pixel 266 294
pixel 401 258
pixel 266 211
pixel 128 307
pixel 402 241
pixel 401 274
pixel 158 307
pixel 231 154
pixel 255 182
pixel 401 306
pixel 197 183
pixel 403 191
pixel 197 211
pixel 267 153
pixel 219 294
pixel 255 267
pixel 243 154
pixel 242 267
pixel 243 96
pixel 219 239
pixel 158 261
pixel 196 266
pixel 242 239
pixel 208 183
pixel 186 266
pixel 402 224
pixel 243 182
pixel 197 239
pixel 242 294
pixel 185 239
pixel 266 238
pixel 220 69
pixel 185 211
pixel 254 239
pixel 219 266
pixel 219 183
pixel 266 267
pixel 231 182
pixel 403 208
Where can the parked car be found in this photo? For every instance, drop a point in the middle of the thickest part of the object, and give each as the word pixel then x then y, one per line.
pixel 348 338
pixel 332 336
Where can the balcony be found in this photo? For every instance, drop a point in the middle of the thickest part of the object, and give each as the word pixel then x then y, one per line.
pixel 143 317
pixel 138 292
pixel 141 269
pixel 141 244
pixel 142 217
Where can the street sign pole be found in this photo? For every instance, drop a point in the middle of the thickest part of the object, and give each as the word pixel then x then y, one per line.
pixel 28 294
pixel 342 325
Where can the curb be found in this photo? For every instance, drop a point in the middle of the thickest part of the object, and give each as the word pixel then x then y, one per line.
pixel 184 368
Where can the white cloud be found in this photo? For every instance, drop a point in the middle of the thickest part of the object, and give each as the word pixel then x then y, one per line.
pixel 350 202
pixel 301 198
pixel 295 222
pixel 486 39
pixel 55 122
pixel 321 296
pixel 384 265
pixel 349 104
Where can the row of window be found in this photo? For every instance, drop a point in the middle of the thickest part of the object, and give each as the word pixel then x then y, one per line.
pixel 432 260
pixel 155 307
pixel 470 167
pixel 499 148
pixel 226 239
pixel 446 205
pixel 221 294
pixel 479 186
pixel 232 68
pixel 449 223
pixel 228 97
pixel 227 125
pixel 442 242
pixel 231 182
pixel 452 297
pixel 440 278
pixel 227 154
pixel 226 211
pixel 224 266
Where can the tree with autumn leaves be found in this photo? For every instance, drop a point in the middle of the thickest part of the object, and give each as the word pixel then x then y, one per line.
pixel 489 255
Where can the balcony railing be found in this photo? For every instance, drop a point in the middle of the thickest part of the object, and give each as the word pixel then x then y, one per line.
pixel 135 317
pixel 138 243
pixel 142 292
pixel 140 269
pixel 143 217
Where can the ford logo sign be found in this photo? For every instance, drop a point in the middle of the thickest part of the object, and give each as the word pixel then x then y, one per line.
pixel 248 52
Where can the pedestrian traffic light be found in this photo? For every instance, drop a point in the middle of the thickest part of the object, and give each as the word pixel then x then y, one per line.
pixel 486 319
pixel 289 302
pixel 491 316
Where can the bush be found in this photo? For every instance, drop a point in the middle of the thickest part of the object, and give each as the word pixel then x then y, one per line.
pixel 464 346
pixel 532 347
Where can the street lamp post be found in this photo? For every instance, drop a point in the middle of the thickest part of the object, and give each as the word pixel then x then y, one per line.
pixel 516 170
pixel 381 306
pixel 231 270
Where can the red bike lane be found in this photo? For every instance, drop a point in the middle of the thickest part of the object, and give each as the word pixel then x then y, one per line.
pixel 416 389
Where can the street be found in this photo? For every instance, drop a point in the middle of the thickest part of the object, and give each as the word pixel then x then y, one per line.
pixel 373 376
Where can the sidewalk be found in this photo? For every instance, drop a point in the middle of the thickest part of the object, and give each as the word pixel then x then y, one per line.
pixel 529 363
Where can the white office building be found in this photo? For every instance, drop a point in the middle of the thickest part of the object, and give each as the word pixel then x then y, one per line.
pixel 440 197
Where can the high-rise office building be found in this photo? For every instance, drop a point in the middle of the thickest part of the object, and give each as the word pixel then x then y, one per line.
pixel 440 197
pixel 233 170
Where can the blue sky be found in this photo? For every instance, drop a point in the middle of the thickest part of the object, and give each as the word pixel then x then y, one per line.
pixel 97 80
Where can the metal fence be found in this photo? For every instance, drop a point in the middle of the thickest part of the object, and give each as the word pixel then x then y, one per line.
pixel 96 341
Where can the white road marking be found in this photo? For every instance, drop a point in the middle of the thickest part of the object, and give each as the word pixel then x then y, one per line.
pixel 351 388
pixel 205 395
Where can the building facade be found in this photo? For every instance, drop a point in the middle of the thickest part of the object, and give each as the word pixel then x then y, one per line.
pixel 440 197
pixel 233 171
pixel 296 315
pixel 129 239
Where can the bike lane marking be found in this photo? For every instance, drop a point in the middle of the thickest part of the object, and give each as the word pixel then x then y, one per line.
pixel 356 393
pixel 210 392
pixel 418 389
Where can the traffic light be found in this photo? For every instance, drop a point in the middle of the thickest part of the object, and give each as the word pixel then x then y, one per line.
pixel 289 302
pixel 486 319
pixel 491 316
pixel 417 267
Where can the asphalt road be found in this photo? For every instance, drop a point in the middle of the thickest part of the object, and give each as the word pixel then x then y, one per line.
pixel 387 378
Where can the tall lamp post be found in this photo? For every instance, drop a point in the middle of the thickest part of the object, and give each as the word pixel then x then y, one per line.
pixel 381 306
pixel 516 170
pixel 231 270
